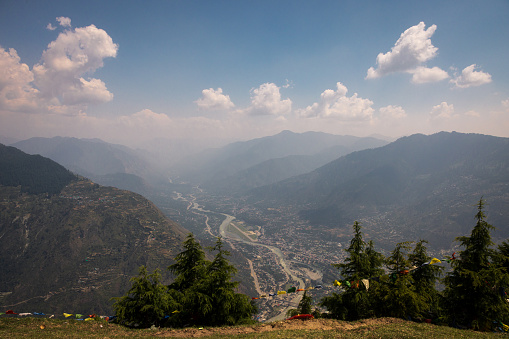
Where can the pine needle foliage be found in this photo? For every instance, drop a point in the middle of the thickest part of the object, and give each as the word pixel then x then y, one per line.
pixel 425 278
pixel 146 302
pixel 362 262
pixel 475 289
pixel 202 293
pixel 402 300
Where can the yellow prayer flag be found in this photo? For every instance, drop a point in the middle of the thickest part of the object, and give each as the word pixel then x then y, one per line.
pixel 337 283
pixel 281 292
pixel 434 261
pixel 88 319
pixel 67 315
pixel 505 327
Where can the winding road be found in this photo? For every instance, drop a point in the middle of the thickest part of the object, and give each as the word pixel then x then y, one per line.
pixel 230 239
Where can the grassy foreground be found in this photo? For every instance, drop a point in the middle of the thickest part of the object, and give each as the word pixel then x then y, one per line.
pixel 392 328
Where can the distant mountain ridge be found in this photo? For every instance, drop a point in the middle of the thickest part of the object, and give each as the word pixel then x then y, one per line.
pixel 105 163
pixel 243 165
pixel 420 184
pixel 34 174
pixel 74 250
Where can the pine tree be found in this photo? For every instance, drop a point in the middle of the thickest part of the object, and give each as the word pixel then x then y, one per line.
pixel 362 262
pixel 190 265
pixel 146 303
pixel 425 277
pixel 401 300
pixel 229 307
pixel 473 294
pixel 305 304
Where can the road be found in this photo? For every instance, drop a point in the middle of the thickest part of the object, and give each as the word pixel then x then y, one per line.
pixel 196 208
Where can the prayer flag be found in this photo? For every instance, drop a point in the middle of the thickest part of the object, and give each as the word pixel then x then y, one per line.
pixel 336 283
pixel 67 315
pixel 292 289
pixel 434 261
pixel 366 283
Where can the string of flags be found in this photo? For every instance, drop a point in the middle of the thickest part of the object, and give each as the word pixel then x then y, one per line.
pixel 76 316
pixel 392 276
pixel 356 284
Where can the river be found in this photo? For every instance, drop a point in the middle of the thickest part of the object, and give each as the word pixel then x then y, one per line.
pixel 295 299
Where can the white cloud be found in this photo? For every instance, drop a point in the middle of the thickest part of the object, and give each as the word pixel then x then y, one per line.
pixel 73 54
pixel 57 84
pixel 146 119
pixel 266 100
pixel 392 112
pixel 470 77
pixel 16 91
pixel 214 100
pixel 443 111
pixel 335 104
pixel 422 75
pixel 50 27
pixel 505 104
pixel 64 21
pixel 412 49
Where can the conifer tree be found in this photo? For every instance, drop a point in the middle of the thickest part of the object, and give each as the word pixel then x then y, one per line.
pixel 190 265
pixel 362 262
pixel 425 277
pixel 229 307
pixel 401 300
pixel 146 303
pixel 474 289
pixel 304 306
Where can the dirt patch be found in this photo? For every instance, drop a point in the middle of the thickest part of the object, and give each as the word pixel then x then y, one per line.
pixel 314 324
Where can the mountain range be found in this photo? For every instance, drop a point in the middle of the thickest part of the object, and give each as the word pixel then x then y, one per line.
pixel 244 165
pixel 422 186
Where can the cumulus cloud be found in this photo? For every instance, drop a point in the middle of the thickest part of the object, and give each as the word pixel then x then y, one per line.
pixel 412 49
pixel 335 104
pixel 392 112
pixel 422 75
pixel 214 100
pixel 50 27
pixel 442 111
pixel 16 91
pixel 58 84
pixel 470 77
pixel 266 100
pixel 73 54
pixel 64 21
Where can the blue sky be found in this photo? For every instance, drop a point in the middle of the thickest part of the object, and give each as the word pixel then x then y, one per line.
pixel 130 71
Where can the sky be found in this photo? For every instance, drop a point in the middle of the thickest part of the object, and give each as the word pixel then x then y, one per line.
pixel 130 72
